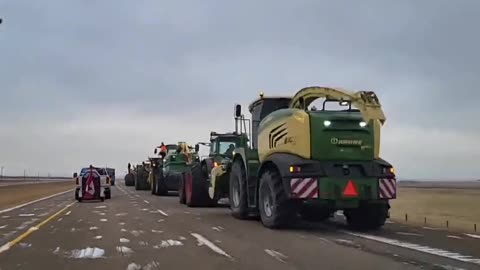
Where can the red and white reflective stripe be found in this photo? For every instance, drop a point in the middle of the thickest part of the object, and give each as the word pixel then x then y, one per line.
pixel 305 188
pixel 387 188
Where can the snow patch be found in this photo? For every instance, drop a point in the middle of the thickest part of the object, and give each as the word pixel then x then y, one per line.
pixel 218 229
pixel 143 243
pixel 121 223
pixel 87 253
pixel 26 215
pixel 73 230
pixel 68 213
pixel 277 255
pixel 151 266
pixel 123 230
pixel 135 233
pixel 134 266
pixel 98 237
pixel 124 250
pixel 60 219
pixel 25 245
pixel 93 228
pixel 124 240
pixel 56 250
pixel 168 243
pixel 5 216
pixel 121 214
pixel 454 237
pixel 3 226
pixel 101 206
pixel 147 202
pixel 103 220
pixel 182 238
pixel 204 241
pixel 160 220
pixel 155 231
pixel 163 213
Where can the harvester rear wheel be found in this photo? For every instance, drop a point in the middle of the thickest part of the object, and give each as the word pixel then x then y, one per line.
pixel 238 190
pixel 196 189
pixel 276 210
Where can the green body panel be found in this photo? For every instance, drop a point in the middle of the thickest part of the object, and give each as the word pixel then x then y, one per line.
pixel 332 188
pixel 344 139
pixel 252 161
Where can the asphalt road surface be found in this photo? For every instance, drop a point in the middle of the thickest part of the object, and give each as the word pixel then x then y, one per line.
pixel 136 230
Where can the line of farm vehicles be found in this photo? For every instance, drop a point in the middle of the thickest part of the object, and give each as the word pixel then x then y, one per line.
pixel 291 160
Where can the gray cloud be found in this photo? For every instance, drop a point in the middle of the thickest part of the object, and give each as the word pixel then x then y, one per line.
pixel 66 63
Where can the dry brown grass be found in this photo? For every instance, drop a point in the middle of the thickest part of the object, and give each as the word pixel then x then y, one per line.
pixel 18 194
pixel 459 206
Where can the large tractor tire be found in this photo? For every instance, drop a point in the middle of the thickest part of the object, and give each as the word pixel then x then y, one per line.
pixel 153 185
pixel 276 210
pixel 181 190
pixel 130 179
pixel 108 194
pixel 367 217
pixel 196 189
pixel 160 187
pixel 238 190
pixel 141 182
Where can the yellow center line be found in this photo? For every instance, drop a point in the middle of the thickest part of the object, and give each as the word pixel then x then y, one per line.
pixel 12 243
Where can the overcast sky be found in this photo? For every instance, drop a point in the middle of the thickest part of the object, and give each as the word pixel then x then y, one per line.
pixel 102 82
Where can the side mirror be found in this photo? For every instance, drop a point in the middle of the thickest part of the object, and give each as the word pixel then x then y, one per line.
pixel 197 147
pixel 75 175
pixel 238 110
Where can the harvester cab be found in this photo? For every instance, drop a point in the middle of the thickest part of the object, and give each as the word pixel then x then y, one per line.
pixel 313 161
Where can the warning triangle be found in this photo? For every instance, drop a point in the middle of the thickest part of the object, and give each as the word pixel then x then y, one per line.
pixel 350 189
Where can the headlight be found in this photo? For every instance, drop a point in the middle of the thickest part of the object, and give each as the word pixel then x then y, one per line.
pixel 327 123
pixel 363 124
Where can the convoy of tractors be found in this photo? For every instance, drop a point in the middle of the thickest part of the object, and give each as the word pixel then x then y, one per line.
pixel 291 160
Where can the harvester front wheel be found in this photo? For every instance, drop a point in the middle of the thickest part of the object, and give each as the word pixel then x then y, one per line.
pixel 367 217
pixel 196 189
pixel 238 190
pixel 276 210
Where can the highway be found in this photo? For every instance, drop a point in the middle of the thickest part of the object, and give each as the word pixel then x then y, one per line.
pixel 136 230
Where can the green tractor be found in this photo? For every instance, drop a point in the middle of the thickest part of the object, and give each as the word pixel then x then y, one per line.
pixel 209 180
pixel 309 163
pixel 167 173
pixel 141 176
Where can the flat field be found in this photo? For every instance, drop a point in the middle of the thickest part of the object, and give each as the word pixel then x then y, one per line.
pixel 459 205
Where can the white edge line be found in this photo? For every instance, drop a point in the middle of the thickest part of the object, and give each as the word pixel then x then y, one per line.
pixel 424 249
pixel 163 213
pixel 35 201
